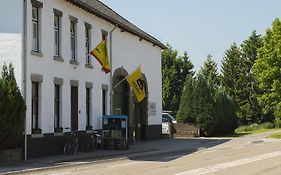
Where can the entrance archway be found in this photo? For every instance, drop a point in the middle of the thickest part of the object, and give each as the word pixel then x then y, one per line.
pixel 125 103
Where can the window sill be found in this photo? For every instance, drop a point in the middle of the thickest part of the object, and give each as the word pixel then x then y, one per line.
pixel 57 58
pixel 89 66
pixel 74 62
pixel 58 134
pixel 37 135
pixel 89 131
pixel 36 53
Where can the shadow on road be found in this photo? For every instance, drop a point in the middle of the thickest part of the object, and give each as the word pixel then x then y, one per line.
pixel 171 149
pixel 162 150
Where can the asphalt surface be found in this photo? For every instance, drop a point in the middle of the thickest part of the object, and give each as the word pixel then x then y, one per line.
pixel 250 154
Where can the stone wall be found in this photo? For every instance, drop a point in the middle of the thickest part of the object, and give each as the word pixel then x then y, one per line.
pixel 10 156
pixel 185 130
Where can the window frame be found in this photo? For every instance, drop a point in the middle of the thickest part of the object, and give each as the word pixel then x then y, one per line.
pixel 88 28
pixel 104 99
pixel 73 39
pixel 35 29
pixel 35 105
pixel 57 106
pixel 57 37
pixel 88 106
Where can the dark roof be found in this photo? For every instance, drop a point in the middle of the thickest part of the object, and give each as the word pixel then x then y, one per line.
pixel 101 10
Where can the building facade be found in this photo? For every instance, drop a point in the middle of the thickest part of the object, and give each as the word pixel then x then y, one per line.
pixel 48 42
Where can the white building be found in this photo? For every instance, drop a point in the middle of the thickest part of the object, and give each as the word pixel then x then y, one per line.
pixel 47 41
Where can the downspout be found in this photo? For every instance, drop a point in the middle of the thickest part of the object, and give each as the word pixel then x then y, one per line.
pixel 24 59
pixel 111 78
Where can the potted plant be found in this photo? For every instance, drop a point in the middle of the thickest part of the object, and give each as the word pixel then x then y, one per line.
pixel 89 127
pixel 36 131
pixel 59 130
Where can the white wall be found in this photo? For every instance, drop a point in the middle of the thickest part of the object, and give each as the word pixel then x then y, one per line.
pixel 11 35
pixel 128 52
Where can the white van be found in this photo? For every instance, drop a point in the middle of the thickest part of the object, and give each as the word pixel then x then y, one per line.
pixel 166 117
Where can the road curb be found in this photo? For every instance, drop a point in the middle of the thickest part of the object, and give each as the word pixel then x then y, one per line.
pixel 88 159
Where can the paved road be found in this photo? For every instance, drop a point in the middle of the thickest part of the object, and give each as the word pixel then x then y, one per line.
pixel 248 155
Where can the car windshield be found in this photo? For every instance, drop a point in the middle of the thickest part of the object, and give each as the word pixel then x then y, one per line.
pixel 167 117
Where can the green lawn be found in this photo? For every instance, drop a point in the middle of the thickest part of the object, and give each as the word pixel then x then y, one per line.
pixel 276 135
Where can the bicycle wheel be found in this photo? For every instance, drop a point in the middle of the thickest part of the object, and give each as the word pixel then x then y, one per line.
pixel 67 148
pixel 74 148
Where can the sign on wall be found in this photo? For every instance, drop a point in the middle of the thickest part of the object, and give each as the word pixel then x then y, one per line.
pixel 151 108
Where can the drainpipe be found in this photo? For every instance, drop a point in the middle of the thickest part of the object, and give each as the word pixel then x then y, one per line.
pixel 24 58
pixel 111 79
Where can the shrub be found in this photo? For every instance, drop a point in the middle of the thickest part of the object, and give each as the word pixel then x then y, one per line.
pixel 266 125
pixel 12 110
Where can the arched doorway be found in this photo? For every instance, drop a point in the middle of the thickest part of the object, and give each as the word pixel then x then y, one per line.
pixel 140 115
pixel 121 93
pixel 125 103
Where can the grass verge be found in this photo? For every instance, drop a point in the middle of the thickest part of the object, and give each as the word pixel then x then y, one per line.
pixel 275 136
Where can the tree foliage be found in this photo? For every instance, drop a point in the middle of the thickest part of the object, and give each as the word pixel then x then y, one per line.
pixel 210 70
pixel 12 110
pixel 267 71
pixel 230 71
pixel 174 71
pixel 250 110
pixel 206 104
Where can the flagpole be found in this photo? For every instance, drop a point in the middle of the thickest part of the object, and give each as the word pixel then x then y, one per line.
pixel 119 83
pixel 124 78
pixel 111 78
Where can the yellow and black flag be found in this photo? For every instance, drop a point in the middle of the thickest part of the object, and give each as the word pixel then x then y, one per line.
pixel 100 53
pixel 136 82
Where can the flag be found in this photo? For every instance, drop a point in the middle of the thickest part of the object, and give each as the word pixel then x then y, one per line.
pixel 100 53
pixel 136 82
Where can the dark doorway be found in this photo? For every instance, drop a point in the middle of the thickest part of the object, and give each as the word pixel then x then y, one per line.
pixel 74 108
pixel 125 103
pixel 121 96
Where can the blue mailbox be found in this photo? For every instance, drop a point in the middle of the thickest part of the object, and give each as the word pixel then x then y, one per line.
pixel 115 126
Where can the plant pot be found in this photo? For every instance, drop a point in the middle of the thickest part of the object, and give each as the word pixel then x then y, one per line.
pixel 89 127
pixel 59 130
pixel 36 131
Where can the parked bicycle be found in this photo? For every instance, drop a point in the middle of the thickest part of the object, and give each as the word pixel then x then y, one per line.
pixel 71 147
pixel 92 142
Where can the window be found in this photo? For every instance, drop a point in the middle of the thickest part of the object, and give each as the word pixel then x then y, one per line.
pixel 104 34
pixel 36 81
pixel 73 35
pixel 35 105
pixel 88 106
pixel 104 106
pixel 72 40
pixel 35 29
pixel 57 106
pixel 87 42
pixel 57 34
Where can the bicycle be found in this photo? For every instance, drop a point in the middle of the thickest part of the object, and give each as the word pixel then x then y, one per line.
pixel 71 146
pixel 93 142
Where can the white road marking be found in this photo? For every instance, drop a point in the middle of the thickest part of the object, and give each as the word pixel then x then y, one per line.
pixel 124 164
pixel 171 157
pixel 60 173
pixel 210 150
pixel 222 166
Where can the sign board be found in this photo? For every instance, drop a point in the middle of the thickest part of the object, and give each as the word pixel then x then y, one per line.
pixel 152 108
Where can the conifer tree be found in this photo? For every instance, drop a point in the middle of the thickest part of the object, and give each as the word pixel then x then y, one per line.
pixel 12 110
pixel 249 108
pixel 175 68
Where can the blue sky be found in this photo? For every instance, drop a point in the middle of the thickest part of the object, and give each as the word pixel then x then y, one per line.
pixel 199 27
